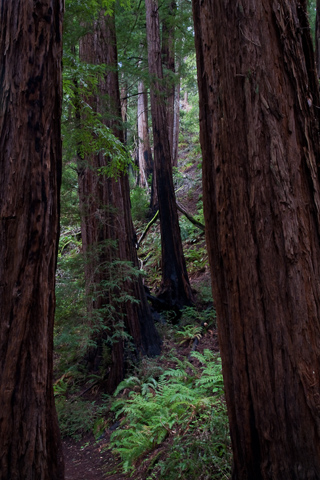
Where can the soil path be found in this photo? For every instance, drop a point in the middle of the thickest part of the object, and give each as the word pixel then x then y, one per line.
pixel 90 460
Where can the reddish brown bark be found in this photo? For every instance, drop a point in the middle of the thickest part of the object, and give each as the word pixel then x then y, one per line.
pixel 260 138
pixel 30 163
pixel 107 230
pixel 168 60
pixel 175 285
pixel 317 39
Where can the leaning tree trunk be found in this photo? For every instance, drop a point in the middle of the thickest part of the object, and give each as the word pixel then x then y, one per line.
pixel 107 230
pixel 175 287
pixel 30 169
pixel 259 125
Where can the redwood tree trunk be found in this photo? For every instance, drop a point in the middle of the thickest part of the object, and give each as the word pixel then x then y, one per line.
pixel 145 155
pixel 124 109
pixel 107 230
pixel 30 169
pixel 168 60
pixel 260 138
pixel 317 39
pixel 175 285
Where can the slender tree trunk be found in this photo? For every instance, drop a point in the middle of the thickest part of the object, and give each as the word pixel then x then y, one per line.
pixel 175 285
pixel 259 124
pixel 145 155
pixel 107 229
pixel 124 109
pixel 176 124
pixel 317 39
pixel 30 164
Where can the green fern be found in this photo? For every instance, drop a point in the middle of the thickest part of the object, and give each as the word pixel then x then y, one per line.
pixel 176 403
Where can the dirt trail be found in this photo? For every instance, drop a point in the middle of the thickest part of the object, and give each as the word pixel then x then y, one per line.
pixel 90 460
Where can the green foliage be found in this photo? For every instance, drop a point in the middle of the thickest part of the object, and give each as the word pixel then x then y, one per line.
pixel 204 293
pixel 312 10
pixel 188 333
pixel 75 417
pixel 192 316
pixel 196 259
pixel 183 405
pixel 139 204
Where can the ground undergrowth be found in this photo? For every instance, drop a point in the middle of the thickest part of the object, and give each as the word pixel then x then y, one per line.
pixel 167 419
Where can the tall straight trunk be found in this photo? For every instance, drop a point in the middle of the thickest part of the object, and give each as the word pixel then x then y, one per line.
pixel 124 109
pixel 144 149
pixel 259 126
pixel 175 285
pixel 176 124
pixel 317 39
pixel 107 230
pixel 30 171
pixel 168 60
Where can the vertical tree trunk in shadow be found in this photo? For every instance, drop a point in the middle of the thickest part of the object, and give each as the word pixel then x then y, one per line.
pixel 317 39
pixel 168 60
pixel 118 302
pixel 259 129
pixel 175 287
pixel 30 178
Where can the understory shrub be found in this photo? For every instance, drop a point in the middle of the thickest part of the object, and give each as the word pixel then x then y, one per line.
pixel 139 204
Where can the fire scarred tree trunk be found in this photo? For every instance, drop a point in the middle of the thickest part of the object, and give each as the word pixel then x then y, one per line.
pixel 107 230
pixel 30 163
pixel 175 287
pixel 259 124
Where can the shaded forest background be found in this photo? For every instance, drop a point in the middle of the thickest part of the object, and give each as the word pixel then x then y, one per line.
pixel 173 393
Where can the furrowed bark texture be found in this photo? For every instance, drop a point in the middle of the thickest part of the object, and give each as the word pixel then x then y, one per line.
pixel 30 170
pixel 317 39
pixel 175 285
pixel 107 229
pixel 260 139
pixel 168 60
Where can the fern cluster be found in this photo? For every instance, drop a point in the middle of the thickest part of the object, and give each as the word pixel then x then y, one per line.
pixel 183 406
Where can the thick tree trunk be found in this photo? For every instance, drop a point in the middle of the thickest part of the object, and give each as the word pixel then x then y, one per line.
pixel 175 285
pixel 317 39
pixel 260 139
pixel 107 230
pixel 30 170
pixel 168 60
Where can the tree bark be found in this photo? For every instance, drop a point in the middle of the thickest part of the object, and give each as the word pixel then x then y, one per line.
pixel 30 177
pixel 175 285
pixel 124 109
pixel 145 155
pixel 259 125
pixel 107 229
pixel 168 60
pixel 317 39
